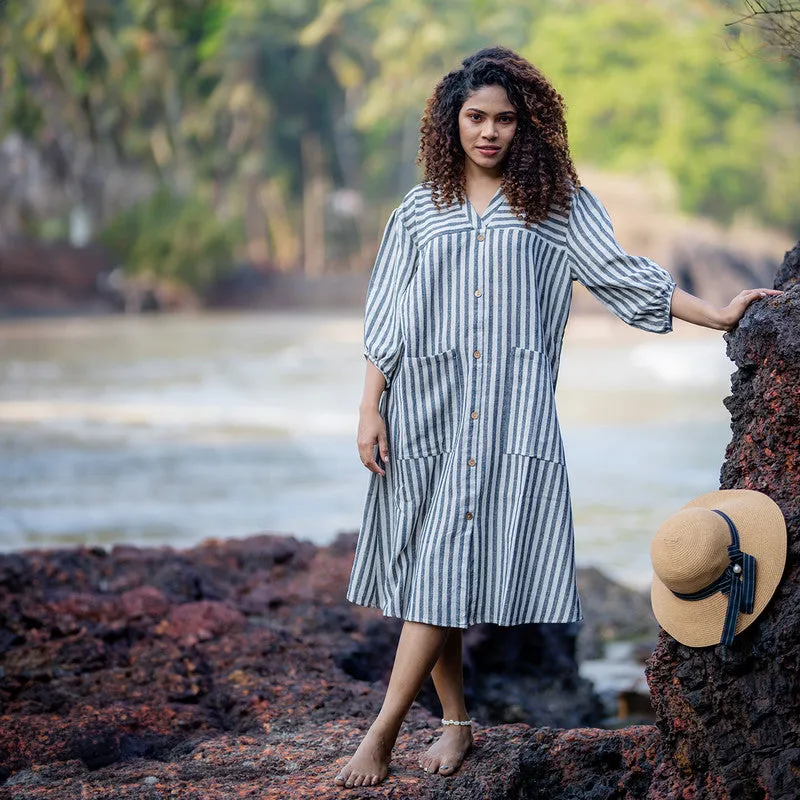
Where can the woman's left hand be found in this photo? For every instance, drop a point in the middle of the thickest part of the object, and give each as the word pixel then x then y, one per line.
pixel 692 309
pixel 734 311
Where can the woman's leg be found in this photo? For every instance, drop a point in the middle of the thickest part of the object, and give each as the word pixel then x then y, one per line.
pixel 447 753
pixel 418 650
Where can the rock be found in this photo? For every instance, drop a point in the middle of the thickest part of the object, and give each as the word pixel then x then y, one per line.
pixel 714 268
pixel 146 601
pixel 507 762
pixel 730 719
pixel 611 613
pixel 788 273
pixel 526 673
pixel 198 622
pixel 123 662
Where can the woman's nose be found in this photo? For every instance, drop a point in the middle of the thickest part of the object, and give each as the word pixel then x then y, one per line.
pixel 489 131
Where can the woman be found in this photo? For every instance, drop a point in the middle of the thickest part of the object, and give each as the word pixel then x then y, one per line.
pixel 467 516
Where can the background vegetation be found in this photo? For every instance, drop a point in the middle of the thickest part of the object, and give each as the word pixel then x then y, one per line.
pixel 194 133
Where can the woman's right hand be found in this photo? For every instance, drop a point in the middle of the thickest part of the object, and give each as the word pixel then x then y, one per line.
pixel 372 431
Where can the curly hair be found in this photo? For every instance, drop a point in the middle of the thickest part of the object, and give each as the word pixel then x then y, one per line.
pixel 538 172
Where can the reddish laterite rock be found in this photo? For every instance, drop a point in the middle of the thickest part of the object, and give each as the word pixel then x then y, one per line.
pixel 730 719
pixel 237 668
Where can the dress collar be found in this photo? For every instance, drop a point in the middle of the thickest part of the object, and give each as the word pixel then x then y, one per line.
pixel 478 221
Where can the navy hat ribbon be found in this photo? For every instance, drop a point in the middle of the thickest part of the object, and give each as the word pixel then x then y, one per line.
pixel 738 581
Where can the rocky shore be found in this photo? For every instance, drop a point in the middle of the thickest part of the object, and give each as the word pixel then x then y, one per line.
pixel 238 666
pixel 236 669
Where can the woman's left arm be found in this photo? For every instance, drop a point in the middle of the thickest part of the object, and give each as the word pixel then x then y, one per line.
pixel 692 309
pixel 636 289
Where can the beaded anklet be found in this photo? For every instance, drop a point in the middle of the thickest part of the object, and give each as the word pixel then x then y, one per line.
pixel 456 722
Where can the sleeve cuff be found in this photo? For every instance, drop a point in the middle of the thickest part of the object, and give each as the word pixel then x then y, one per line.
pixel 386 378
pixel 659 312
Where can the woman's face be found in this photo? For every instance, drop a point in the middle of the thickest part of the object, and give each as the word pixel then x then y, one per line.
pixel 486 125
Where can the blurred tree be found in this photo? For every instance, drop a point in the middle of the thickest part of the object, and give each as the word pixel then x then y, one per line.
pixel 279 121
pixel 173 237
pixel 659 87
pixel 104 87
pixel 291 126
pixel 415 43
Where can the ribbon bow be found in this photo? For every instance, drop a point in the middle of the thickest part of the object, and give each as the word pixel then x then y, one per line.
pixel 738 581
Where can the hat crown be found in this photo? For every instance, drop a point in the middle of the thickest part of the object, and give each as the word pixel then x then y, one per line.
pixel 690 550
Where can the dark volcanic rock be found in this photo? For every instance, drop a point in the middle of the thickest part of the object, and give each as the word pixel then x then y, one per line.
pixel 612 612
pixel 788 274
pixel 526 673
pixel 238 666
pixel 507 762
pixel 731 719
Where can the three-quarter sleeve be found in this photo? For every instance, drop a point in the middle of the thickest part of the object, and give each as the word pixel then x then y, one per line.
pixel 394 267
pixel 636 289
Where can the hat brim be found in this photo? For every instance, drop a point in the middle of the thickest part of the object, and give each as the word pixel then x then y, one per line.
pixel 762 533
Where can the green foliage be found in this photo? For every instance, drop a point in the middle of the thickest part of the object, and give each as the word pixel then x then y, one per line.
pixel 418 41
pixel 668 85
pixel 171 237
pixel 250 102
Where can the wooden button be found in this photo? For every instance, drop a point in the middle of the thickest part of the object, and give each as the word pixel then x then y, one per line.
pixel 474 415
pixel 468 515
pixel 472 462
pixel 481 237
pixel 477 353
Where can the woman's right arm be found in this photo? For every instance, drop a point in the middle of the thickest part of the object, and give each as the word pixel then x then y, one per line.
pixel 371 427
pixel 383 341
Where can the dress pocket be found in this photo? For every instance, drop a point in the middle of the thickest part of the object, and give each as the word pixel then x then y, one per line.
pixel 531 424
pixel 427 394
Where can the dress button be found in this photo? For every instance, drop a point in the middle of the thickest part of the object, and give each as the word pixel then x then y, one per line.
pixel 468 515
pixel 481 237
pixel 478 293
pixel 472 462
pixel 477 353
pixel 474 415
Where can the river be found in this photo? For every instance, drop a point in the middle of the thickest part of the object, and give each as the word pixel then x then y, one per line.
pixel 179 428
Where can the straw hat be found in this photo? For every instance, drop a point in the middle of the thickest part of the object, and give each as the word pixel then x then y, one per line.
pixel 699 572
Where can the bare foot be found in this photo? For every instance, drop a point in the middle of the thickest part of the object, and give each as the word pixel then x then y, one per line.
pixel 369 764
pixel 446 754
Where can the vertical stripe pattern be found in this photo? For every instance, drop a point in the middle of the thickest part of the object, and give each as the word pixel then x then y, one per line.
pixel 465 315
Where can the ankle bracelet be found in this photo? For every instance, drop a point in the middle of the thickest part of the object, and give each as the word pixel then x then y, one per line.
pixel 456 722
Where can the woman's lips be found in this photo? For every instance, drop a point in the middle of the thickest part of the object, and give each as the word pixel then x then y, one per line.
pixel 488 151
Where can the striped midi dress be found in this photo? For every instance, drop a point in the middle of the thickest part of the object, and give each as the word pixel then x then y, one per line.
pixel 465 316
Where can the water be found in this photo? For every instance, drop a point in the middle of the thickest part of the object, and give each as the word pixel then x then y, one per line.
pixel 180 428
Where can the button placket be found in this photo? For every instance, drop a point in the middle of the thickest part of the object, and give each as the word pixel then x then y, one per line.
pixel 473 438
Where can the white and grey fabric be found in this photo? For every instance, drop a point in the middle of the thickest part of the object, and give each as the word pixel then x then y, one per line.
pixel 465 316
